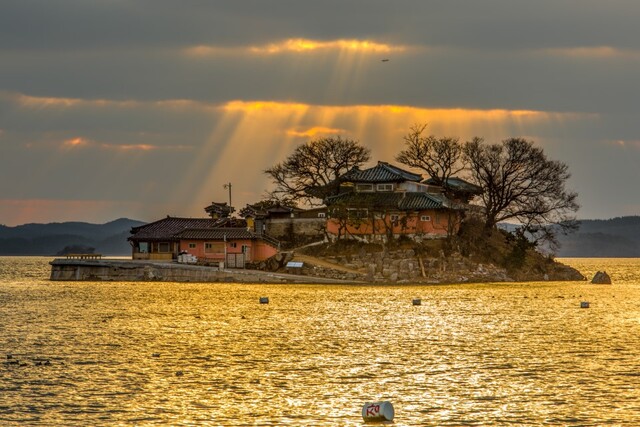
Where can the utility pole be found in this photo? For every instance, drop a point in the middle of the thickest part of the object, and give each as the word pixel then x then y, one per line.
pixel 229 187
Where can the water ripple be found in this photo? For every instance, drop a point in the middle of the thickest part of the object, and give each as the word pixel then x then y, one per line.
pixel 209 354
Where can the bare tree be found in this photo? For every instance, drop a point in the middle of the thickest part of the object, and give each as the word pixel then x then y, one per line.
pixel 520 183
pixel 440 158
pixel 312 170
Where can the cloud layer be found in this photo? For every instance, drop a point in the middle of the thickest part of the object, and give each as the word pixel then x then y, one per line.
pixel 147 108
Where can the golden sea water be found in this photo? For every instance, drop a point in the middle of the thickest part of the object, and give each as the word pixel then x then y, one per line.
pixel 207 354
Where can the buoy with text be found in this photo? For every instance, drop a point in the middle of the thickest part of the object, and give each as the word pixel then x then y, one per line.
pixel 264 300
pixel 377 411
pixel 584 304
pixel 417 301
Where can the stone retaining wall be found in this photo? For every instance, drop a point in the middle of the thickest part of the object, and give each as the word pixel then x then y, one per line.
pixel 405 266
pixel 133 271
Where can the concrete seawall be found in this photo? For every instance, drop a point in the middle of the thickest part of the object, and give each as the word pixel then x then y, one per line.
pixel 148 271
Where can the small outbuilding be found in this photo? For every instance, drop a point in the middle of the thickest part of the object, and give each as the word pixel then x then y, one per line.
pixel 223 239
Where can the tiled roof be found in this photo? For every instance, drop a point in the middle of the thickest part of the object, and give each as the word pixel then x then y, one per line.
pixel 258 211
pixel 385 200
pixel 458 184
pixel 219 209
pixel 421 201
pixel 166 228
pixel 382 172
pixel 216 234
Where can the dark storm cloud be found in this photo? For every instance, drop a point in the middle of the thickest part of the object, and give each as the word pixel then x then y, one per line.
pixel 496 24
pixel 539 80
pixel 116 91
pixel 489 54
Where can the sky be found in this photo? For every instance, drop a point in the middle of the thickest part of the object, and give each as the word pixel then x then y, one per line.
pixel 142 109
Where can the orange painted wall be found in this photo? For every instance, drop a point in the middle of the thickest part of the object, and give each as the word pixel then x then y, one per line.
pixel 258 250
pixel 412 225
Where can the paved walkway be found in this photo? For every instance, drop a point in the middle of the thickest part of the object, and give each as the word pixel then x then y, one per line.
pixel 324 263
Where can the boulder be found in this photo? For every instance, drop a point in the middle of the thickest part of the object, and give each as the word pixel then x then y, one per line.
pixel 601 278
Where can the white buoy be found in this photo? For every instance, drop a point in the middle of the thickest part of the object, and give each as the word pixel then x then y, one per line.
pixel 264 300
pixel 584 304
pixel 417 301
pixel 377 411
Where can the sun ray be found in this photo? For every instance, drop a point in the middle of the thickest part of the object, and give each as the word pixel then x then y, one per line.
pixel 254 135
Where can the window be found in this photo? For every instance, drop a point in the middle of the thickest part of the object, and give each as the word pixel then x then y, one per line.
pixel 143 247
pixel 364 187
pixel 394 218
pixel 425 218
pixel 357 213
pixel 245 249
pixel 437 218
pixel 164 247
pixel 192 245
pixel 385 187
pixel 214 248
pixel 321 215
pixel 233 245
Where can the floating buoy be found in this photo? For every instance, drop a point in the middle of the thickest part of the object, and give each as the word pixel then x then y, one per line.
pixel 377 411
pixel 417 301
pixel 155 355
pixel 584 304
pixel 264 300
pixel 179 373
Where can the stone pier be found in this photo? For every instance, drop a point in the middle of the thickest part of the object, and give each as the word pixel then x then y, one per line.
pixel 135 270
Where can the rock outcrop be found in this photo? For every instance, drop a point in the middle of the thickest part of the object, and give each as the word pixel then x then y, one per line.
pixel 406 265
pixel 601 278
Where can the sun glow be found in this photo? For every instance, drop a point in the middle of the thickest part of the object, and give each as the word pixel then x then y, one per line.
pixel 306 45
pixel 298 46
pixel 594 52
pixel 251 136
pixel 80 142
pixel 35 102
pixel 625 143
pixel 18 211
pixel 75 143
pixel 315 131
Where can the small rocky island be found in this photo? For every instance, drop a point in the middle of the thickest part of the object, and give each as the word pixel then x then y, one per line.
pixel 382 224
pixel 461 260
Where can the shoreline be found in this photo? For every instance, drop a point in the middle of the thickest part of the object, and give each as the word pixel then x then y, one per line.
pixel 113 270
pixel 128 270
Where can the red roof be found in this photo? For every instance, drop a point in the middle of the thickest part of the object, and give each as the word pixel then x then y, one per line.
pixel 224 233
pixel 165 229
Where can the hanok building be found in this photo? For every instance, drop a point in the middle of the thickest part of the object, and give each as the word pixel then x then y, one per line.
pixel 233 245
pixel 218 210
pixel 285 222
pixel 158 240
pixel 386 201
pixel 214 239
pixel 457 189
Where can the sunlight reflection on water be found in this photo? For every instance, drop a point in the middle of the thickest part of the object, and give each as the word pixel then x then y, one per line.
pixel 210 354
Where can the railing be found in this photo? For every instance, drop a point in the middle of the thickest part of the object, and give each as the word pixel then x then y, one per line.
pixel 84 256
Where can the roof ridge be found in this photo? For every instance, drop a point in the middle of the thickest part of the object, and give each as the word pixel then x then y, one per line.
pixel 398 170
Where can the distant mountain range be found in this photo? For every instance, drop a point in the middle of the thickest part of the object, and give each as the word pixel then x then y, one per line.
pixel 609 238
pixel 600 238
pixel 55 238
